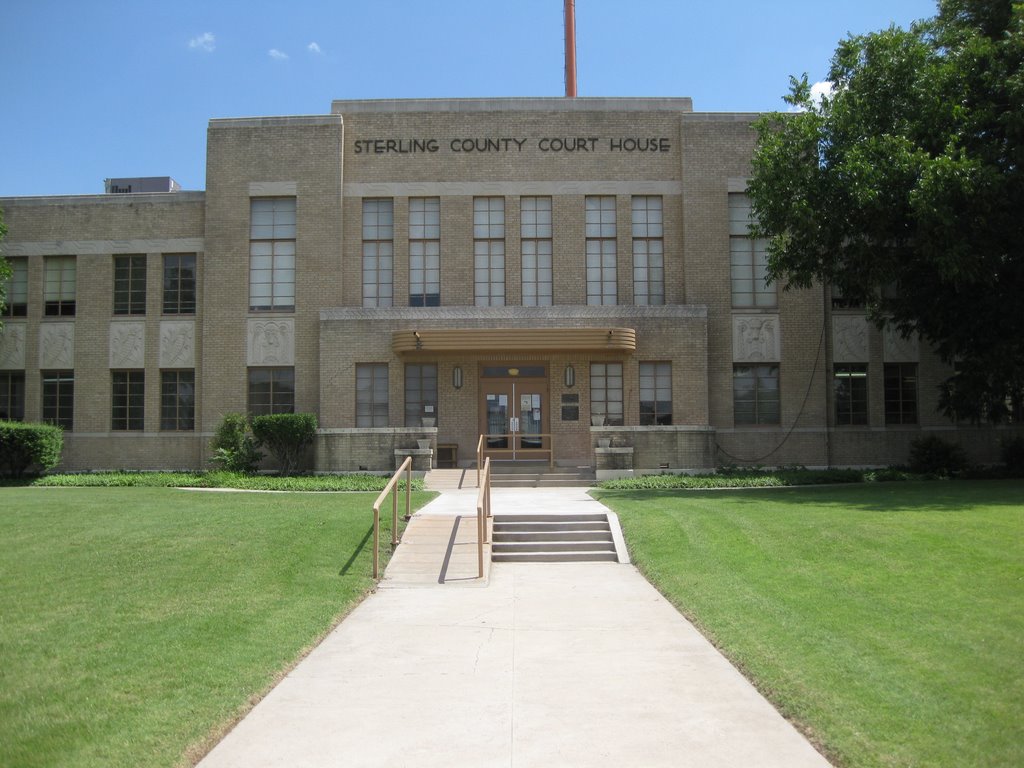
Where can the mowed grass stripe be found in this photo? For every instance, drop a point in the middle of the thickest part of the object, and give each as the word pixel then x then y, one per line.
pixel 136 621
pixel 887 620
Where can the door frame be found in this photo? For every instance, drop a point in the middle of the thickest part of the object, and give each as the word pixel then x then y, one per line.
pixel 513 386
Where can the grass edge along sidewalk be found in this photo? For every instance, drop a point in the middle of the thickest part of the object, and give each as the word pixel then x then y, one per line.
pixel 140 623
pixel 884 620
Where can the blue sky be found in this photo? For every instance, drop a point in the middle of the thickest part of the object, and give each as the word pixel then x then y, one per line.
pixel 107 88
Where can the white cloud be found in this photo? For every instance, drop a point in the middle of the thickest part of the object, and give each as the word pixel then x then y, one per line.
pixel 205 42
pixel 276 54
pixel 820 90
pixel 313 48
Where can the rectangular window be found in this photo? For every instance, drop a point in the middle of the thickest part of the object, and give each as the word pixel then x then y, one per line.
pixel 535 233
pixel 372 395
pixel 378 252
pixel 901 393
pixel 606 392
pixel 178 401
pixel 602 250
pixel 59 398
pixel 272 254
pixel 271 390
pixel 424 252
pixel 648 252
pixel 16 303
pixel 850 388
pixel 59 286
pixel 748 258
pixel 755 394
pixel 179 284
pixel 489 251
pixel 841 302
pixel 12 395
pixel 655 394
pixel 420 394
pixel 127 400
pixel 130 285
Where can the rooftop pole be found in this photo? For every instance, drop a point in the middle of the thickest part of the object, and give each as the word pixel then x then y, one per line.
pixel 570 49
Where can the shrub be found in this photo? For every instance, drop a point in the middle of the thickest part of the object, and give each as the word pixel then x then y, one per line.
pixel 234 448
pixel 1011 451
pixel 29 445
pixel 286 436
pixel 932 455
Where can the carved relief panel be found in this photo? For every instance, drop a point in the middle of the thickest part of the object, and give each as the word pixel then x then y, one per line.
pixel 12 346
pixel 755 339
pixel 271 342
pixel 178 344
pixel 896 349
pixel 850 339
pixel 128 345
pixel 56 345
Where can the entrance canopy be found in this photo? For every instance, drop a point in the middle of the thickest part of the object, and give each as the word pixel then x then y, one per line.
pixel 440 340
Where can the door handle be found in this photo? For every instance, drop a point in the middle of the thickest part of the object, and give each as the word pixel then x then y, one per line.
pixel 513 424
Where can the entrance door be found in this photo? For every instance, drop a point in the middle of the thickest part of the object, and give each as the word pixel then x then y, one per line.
pixel 513 416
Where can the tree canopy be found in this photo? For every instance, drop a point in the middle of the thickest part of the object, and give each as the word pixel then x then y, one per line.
pixel 902 189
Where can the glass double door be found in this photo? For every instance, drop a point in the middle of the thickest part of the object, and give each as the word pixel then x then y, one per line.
pixel 513 415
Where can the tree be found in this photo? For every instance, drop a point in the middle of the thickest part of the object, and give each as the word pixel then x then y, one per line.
pixel 5 271
pixel 286 436
pixel 903 190
pixel 24 446
pixel 233 445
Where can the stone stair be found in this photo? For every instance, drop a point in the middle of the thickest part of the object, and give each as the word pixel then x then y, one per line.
pixel 552 539
pixel 540 475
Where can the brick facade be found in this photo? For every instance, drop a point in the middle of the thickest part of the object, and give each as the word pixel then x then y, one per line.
pixel 455 151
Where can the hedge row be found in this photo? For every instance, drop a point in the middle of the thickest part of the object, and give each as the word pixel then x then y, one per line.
pixel 27 446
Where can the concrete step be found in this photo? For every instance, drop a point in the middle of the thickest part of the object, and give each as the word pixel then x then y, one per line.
pixel 501 527
pixel 554 546
pixel 549 518
pixel 541 483
pixel 588 535
pixel 553 557
pixel 552 538
pixel 540 475
pixel 519 467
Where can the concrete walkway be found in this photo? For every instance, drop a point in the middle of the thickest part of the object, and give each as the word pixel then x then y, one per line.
pixel 580 664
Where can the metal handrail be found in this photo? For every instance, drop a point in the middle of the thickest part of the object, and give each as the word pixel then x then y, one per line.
pixel 479 458
pixel 407 468
pixel 550 450
pixel 483 511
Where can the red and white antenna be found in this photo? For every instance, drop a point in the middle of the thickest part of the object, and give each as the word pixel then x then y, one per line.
pixel 570 49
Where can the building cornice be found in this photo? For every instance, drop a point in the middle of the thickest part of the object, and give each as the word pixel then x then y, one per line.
pixel 127 198
pixel 491 314
pixel 516 104
pixel 273 122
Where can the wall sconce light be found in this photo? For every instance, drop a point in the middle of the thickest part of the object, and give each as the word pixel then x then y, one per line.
pixel 419 341
pixel 457 377
pixel 570 376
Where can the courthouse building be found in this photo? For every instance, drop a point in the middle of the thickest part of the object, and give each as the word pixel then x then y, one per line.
pixel 571 278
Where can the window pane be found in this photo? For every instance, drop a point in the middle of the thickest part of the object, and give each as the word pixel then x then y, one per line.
pixel 606 392
pixel 59 398
pixel 12 395
pixel 59 286
pixel 372 395
pixel 271 390
pixel 179 284
pixel 756 394
pixel 272 253
pixel 127 400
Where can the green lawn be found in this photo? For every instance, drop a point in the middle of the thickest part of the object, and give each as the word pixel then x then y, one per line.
pixel 886 620
pixel 136 622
